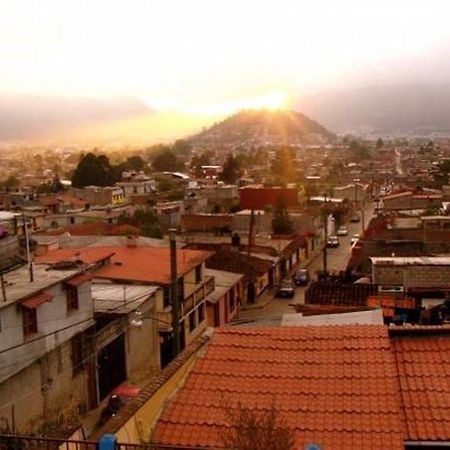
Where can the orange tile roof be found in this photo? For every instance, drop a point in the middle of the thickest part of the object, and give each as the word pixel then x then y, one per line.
pixel 141 264
pixel 89 255
pixel 423 364
pixel 335 386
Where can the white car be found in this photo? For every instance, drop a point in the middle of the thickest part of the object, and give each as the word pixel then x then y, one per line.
pixel 342 231
pixel 354 239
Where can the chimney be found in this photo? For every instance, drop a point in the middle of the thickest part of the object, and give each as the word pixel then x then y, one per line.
pixel 132 241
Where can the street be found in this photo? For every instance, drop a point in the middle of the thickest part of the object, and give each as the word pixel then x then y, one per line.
pixel 337 259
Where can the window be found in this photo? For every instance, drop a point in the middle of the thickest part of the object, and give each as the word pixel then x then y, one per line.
pixel 201 313
pixel 29 318
pixel 166 297
pixel 71 297
pixel 192 321
pixel 198 274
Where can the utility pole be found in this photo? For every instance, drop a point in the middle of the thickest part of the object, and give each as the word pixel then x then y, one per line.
pixel 174 293
pixel 250 283
pixel 27 242
pixel 325 227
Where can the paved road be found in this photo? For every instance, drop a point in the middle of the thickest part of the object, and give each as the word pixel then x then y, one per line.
pixel 337 259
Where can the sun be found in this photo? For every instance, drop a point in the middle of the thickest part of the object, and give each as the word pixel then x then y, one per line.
pixel 271 100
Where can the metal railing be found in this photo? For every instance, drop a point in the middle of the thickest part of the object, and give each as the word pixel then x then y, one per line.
pixel 19 442
pixel 22 442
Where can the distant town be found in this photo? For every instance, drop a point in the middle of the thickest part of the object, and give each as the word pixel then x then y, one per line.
pixel 153 294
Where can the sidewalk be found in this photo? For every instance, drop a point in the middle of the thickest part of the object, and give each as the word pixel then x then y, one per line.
pixel 263 300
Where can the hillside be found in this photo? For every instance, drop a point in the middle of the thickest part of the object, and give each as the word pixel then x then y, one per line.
pixel 258 127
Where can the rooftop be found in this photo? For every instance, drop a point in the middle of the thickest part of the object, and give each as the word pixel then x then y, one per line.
pixel 119 298
pixel 223 281
pixel 374 317
pixel 18 285
pixel 332 385
pixel 138 264
pixel 411 261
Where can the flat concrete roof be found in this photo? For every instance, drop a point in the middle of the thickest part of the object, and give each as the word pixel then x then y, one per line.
pixel 374 317
pixel 411 260
pixel 18 285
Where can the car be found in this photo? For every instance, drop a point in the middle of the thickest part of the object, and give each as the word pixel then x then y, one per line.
pixel 286 289
pixel 342 231
pixel 301 277
pixel 354 239
pixel 117 398
pixel 333 241
pixel 355 219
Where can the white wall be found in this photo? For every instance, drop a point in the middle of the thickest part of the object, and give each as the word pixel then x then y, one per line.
pixel 51 317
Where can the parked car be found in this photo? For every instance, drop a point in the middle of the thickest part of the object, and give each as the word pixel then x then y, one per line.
pixel 286 289
pixel 354 238
pixel 333 241
pixel 118 397
pixel 342 231
pixel 301 277
pixel 355 219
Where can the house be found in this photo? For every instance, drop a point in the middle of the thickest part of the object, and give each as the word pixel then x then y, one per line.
pixel 126 334
pixel 134 183
pixel 339 293
pixel 139 265
pixel 257 273
pixel 335 387
pixel 100 196
pixel 223 304
pixel 410 200
pixel 44 322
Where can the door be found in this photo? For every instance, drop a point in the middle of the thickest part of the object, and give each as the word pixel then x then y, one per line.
pixel 111 366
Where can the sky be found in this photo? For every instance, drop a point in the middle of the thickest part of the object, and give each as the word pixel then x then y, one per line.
pixel 213 56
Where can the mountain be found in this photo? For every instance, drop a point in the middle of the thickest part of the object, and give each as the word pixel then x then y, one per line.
pixel 27 117
pixel 407 109
pixel 257 127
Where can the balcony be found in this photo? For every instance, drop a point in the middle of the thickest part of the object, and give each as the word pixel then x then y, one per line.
pixel 199 294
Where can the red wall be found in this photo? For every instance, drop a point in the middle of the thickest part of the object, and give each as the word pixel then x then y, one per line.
pixel 259 198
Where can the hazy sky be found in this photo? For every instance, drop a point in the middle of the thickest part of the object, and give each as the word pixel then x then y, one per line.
pixel 213 55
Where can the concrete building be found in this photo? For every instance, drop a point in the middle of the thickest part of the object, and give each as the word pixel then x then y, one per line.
pixel 41 358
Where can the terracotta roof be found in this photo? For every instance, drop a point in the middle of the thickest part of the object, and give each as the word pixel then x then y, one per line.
pixel 142 264
pixel 233 261
pixel 342 294
pixel 36 300
pixel 423 365
pixel 89 255
pixel 335 386
pixel 79 279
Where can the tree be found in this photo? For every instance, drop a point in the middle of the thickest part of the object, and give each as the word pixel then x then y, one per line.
pixel 166 161
pixel 135 163
pixel 10 183
pixel 146 220
pixel 283 166
pixel 93 170
pixel 281 222
pixel 182 147
pixel 230 172
pixel 379 143
pixel 252 429
pixel 204 159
